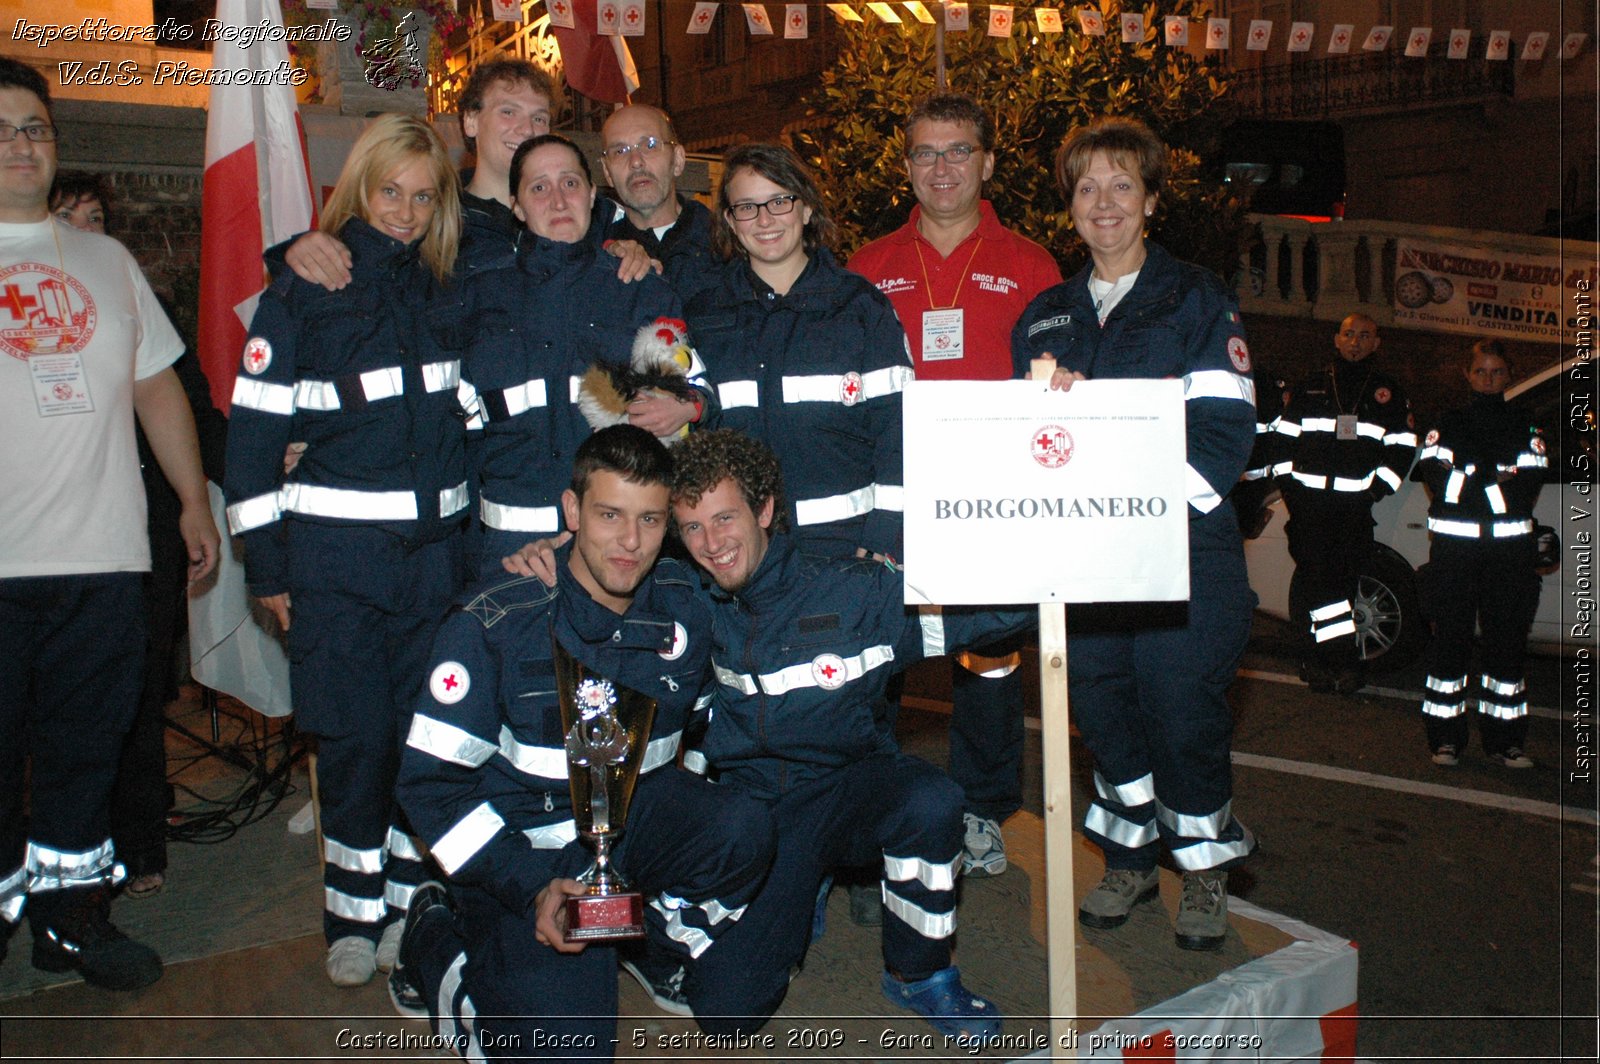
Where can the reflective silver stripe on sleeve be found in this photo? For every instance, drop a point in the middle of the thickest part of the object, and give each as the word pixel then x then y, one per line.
pixel 323 396
pixel 1203 855
pixel 736 394
pixel 1453 485
pixel 550 763
pixel 1405 438
pixel 574 389
pixel 259 395
pixel 441 376
pixel 1134 792
pixel 403 846
pixel 552 836
pixel 1202 496
pixel 1388 476
pixel 1529 460
pixel 1374 432
pixel 467 396
pixel 1311 480
pixel 695 761
pixel 1286 428
pixel 1119 830
pixel 320 501
pixel 448 742
pixel 1191 826
pixel 253 513
pixel 519 518
pixel 1356 483
pixel 1507 529
pixel 1218 384
pixel 361 910
pixel 926 924
pixel 742 682
pixel 830 387
pixel 835 507
pixel 1496 497
pixel 1317 424
pixel 1447 527
pixel 1438 454
pixel 521 398
pixel 932 622
pixel 469 835
pixel 351 859
pixel 803 675
pixel 453 500
pixel 889 497
pixel 933 876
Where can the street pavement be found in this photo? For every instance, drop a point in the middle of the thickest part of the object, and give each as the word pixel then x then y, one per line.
pixel 1471 891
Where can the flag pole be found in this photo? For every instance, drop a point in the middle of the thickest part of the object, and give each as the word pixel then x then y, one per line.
pixel 938 50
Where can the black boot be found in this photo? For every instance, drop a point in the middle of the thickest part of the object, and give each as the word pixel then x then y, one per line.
pixel 72 930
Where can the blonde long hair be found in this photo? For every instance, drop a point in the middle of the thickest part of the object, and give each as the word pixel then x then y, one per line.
pixel 389 143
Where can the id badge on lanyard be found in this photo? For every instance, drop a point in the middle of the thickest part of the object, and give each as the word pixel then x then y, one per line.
pixel 943 338
pixel 1344 427
pixel 60 385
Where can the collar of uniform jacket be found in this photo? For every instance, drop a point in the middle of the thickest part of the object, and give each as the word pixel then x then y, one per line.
pixel 376 254
pixel 642 627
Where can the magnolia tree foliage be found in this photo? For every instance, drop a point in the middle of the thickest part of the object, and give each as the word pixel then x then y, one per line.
pixel 1036 87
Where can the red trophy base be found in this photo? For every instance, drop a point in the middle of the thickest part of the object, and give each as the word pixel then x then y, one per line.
pixel 605 917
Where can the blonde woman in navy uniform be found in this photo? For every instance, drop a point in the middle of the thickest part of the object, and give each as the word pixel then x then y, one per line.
pixel 356 553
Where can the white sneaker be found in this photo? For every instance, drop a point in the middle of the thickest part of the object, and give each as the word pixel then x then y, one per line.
pixel 389 946
pixel 984 848
pixel 352 961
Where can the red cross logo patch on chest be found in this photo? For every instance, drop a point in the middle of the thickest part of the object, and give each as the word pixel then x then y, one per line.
pixel 851 389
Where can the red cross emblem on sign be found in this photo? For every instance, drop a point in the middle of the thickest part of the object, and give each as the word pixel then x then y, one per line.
pixel 1052 446
pixel 1498 46
pixel 798 20
pixel 1301 36
pixel 560 9
pixel 633 15
pixel 608 13
pixel 1092 24
pixel 1001 18
pixel 759 18
pixel 1418 41
pixel 1259 34
pixel 1340 37
pixel 1216 31
pixel 703 17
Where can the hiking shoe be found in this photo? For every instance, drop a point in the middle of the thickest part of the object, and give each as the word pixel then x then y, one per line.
pixel 406 996
pixel 1203 911
pixel 1447 754
pixel 1511 757
pixel 954 1011
pixel 428 897
pixel 666 991
pixel 388 953
pixel 1120 889
pixel 352 961
pixel 984 850
pixel 866 904
pixel 79 936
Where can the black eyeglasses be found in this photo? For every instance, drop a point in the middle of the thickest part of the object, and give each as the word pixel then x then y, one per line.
pixel 35 133
pixel 644 146
pixel 955 155
pixel 746 212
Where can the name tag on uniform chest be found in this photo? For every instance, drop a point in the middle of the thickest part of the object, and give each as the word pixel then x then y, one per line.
pixel 942 334
pixel 60 385
pixel 1344 427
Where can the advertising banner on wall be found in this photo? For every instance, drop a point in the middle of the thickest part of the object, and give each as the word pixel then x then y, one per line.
pixel 1481 291
pixel 1017 494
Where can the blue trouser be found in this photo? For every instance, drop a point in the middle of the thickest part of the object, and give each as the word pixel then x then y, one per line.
pixel 986 737
pixel 365 605
pixel 697 851
pixel 1330 540
pixel 73 647
pixel 1467 582
pixel 888 810
pixel 1148 684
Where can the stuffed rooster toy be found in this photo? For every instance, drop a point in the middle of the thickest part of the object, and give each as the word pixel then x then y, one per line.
pixel 660 362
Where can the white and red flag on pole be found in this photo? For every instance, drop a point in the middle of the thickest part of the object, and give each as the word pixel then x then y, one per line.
pixel 256 191
pixel 594 66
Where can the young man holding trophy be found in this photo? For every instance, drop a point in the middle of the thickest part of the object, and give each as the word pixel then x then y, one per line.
pixel 553 719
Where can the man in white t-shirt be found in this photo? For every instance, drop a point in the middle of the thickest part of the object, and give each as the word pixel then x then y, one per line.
pixel 84 347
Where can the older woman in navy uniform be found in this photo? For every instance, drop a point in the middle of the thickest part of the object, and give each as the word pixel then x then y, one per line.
pixel 539 319
pixel 359 545
pixel 1483 465
pixel 1148 681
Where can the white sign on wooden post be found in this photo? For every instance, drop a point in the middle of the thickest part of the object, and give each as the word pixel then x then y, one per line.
pixel 1017 494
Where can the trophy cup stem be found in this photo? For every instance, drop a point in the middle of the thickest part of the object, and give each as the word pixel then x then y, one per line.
pixel 599 801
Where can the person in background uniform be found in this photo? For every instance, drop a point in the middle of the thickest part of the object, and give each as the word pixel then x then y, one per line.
pixel 804 648
pixel 142 796
pixel 360 545
pixel 484 778
pixel 643 161
pixel 1250 496
pixel 959 280
pixel 1344 441
pixel 806 356
pixel 541 319
pixel 87 350
pixel 1483 466
pixel 1149 681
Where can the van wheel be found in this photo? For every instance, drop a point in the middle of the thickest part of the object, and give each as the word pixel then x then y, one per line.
pixel 1390 630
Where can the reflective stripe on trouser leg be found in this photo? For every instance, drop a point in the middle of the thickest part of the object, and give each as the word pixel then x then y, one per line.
pixel 1445 697
pixel 404 868
pixel 13 891
pixel 355 823
pixel 1503 699
pixel 455 1013
pixel 1203 841
pixel 1332 621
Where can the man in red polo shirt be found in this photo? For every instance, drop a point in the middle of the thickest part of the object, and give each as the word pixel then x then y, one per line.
pixel 959 280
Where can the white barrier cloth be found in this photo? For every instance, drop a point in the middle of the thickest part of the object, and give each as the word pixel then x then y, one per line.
pixel 1016 494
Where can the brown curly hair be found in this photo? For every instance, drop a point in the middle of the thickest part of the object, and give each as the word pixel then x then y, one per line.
pixel 706 459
